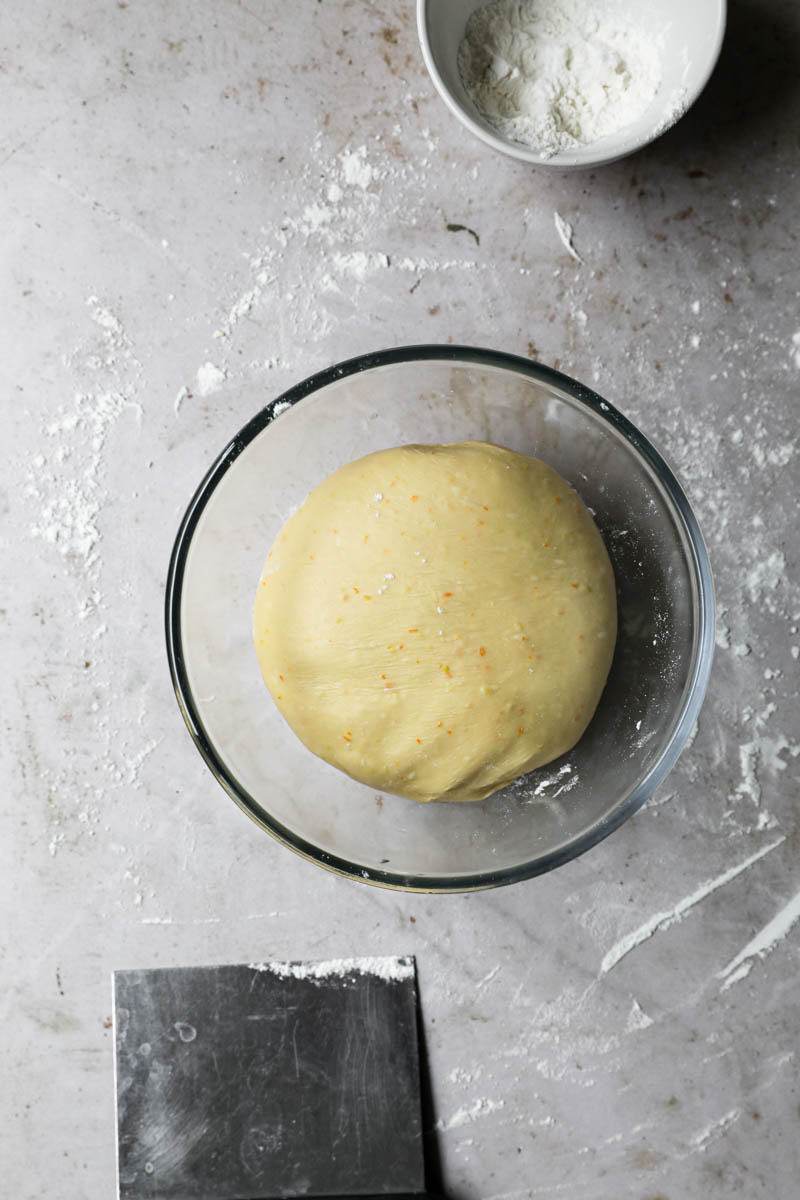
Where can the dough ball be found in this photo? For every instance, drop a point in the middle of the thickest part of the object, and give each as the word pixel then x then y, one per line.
pixel 437 620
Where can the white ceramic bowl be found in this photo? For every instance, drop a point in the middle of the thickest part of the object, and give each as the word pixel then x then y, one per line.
pixel 689 32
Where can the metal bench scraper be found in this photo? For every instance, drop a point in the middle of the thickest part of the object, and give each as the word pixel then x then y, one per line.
pixel 268 1080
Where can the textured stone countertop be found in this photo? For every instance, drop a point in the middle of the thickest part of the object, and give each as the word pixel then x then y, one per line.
pixel 204 203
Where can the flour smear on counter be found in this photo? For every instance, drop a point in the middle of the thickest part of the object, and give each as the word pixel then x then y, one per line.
pixel 554 74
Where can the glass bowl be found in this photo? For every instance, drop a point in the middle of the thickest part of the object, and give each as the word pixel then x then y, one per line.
pixel 441 394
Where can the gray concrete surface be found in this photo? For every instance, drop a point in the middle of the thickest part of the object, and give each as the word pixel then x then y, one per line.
pixel 266 188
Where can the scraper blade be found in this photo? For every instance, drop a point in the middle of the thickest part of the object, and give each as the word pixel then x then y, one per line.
pixel 268 1080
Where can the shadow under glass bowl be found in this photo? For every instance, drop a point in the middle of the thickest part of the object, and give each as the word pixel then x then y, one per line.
pixel 441 394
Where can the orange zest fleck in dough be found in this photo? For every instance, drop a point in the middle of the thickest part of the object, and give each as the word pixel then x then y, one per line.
pixel 482 651
pixel 414 630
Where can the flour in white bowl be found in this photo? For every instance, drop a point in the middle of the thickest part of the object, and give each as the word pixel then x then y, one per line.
pixel 555 74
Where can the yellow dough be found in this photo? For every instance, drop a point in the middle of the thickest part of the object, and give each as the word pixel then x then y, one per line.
pixel 438 620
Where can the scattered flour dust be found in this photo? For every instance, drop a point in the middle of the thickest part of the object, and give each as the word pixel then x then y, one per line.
pixel 464 1077
pixel 555 74
pixel 711 1132
pixel 638 1019
pixel 68 512
pixel 71 486
pixel 390 969
pixel 339 208
pixel 674 915
pixel 764 941
pixel 70 501
pixel 357 170
pixel 566 233
pixel 764 577
pixel 105 318
pixel 210 378
pixel 359 263
pixel 469 1113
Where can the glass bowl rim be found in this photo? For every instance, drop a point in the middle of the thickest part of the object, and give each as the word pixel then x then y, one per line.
pixel 694 690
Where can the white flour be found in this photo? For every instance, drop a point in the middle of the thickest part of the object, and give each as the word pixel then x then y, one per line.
pixel 210 378
pixel 565 232
pixel 470 1112
pixel 391 969
pixel 554 74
